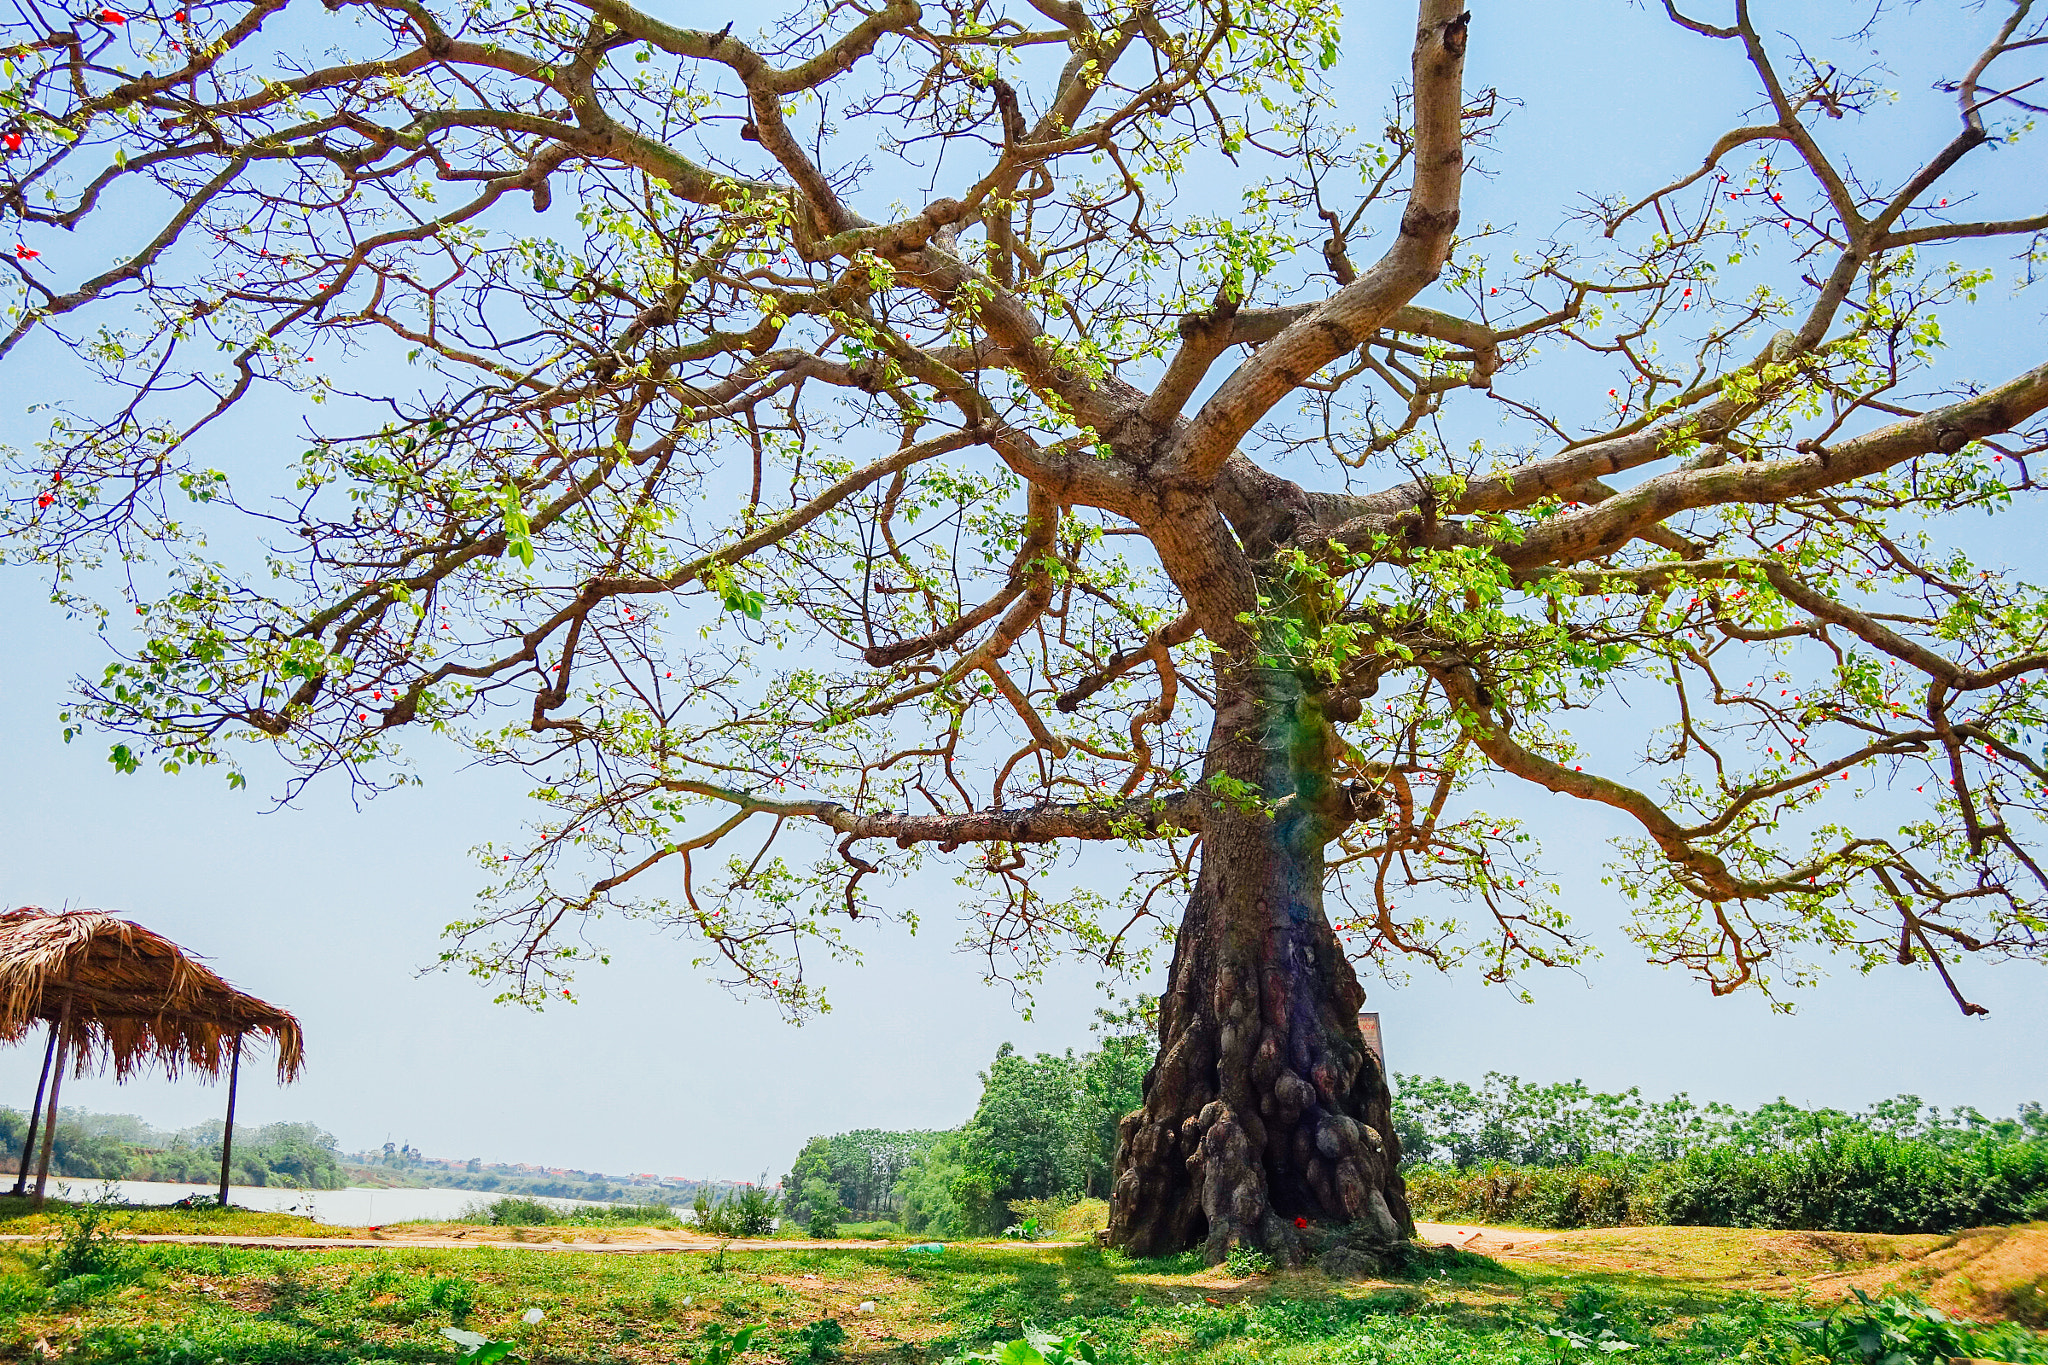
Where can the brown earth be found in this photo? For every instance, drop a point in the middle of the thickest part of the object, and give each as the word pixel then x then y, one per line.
pixel 1982 1273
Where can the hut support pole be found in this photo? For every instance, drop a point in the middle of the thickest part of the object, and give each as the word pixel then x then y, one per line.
pixel 65 1043
pixel 35 1117
pixel 227 1134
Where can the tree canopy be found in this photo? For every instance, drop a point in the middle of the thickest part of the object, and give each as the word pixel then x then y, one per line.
pixel 917 427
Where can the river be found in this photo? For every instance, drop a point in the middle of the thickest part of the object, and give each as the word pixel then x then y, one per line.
pixel 354 1207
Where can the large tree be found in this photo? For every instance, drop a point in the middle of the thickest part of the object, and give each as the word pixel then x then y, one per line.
pixel 901 428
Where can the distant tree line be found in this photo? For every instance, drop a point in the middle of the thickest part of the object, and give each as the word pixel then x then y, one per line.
pixel 94 1146
pixel 402 1164
pixel 1506 1119
pixel 123 1147
pixel 1045 1129
pixel 1560 1155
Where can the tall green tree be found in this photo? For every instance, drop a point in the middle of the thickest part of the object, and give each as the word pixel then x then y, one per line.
pixel 862 1167
pixel 809 450
pixel 1045 1127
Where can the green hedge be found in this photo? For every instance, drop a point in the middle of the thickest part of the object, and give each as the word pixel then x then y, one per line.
pixel 1847 1182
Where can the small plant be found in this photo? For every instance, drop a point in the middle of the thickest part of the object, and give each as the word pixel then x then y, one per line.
pixel 1244 1260
pixel 1900 1329
pixel 821 1340
pixel 1039 1348
pixel 1566 1344
pixel 452 1296
pixel 1590 1321
pixel 721 1345
pixel 85 1243
pixel 478 1349
pixel 1026 1231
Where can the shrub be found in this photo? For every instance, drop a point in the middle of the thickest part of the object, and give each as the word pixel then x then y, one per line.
pixel 749 1213
pixel 1244 1260
pixel 515 1211
pixel 85 1245
pixel 1845 1181
pixel 821 1340
pixel 1062 1217
pixel 453 1296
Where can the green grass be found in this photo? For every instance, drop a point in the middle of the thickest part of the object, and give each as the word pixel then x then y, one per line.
pixel 174 1304
pixel 188 1305
pixel 521 1212
pixel 18 1217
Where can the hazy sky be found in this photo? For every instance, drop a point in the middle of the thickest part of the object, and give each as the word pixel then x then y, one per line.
pixel 332 910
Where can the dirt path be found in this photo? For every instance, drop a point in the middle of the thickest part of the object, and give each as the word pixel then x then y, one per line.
pixel 1484 1240
pixel 627 1242
pixel 602 1243
pixel 1463 1236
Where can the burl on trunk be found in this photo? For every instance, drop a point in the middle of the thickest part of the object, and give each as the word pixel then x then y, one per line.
pixel 1265 1105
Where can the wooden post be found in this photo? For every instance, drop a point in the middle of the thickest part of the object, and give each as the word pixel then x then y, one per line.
pixel 227 1134
pixel 64 1047
pixel 35 1118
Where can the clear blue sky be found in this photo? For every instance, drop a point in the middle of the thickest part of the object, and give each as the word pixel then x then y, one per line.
pixel 331 910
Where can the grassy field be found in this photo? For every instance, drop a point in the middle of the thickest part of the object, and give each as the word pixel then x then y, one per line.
pixel 1663 1296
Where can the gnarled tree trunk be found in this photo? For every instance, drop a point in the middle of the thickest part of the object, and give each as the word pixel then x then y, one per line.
pixel 1264 1105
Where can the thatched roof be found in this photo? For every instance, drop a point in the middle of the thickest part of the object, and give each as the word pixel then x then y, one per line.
pixel 138 997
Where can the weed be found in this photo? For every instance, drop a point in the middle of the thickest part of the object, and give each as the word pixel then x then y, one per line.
pixel 721 1345
pixel 1901 1330
pixel 86 1244
pixel 1041 1348
pixel 1243 1261
pixel 822 1339
pixel 478 1349
pixel 453 1296
pixel 20 1294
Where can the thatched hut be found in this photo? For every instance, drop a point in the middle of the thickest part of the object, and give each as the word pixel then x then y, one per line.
pixel 115 994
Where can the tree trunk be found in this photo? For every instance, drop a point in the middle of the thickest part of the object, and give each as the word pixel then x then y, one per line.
pixel 1264 1105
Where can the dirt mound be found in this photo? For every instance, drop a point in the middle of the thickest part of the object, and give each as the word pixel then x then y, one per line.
pixel 1981 1273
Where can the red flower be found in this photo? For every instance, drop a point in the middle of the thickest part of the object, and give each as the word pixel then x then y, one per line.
pixel 13 141
pixel 26 253
pixel 113 16
pixel 1301 1222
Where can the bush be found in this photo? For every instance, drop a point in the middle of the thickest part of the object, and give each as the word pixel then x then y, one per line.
pixel 517 1212
pixel 1607 1193
pixel 1079 1218
pixel 1860 1182
pixel 749 1213
pixel 1844 1182
pixel 1244 1260
pixel 85 1248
